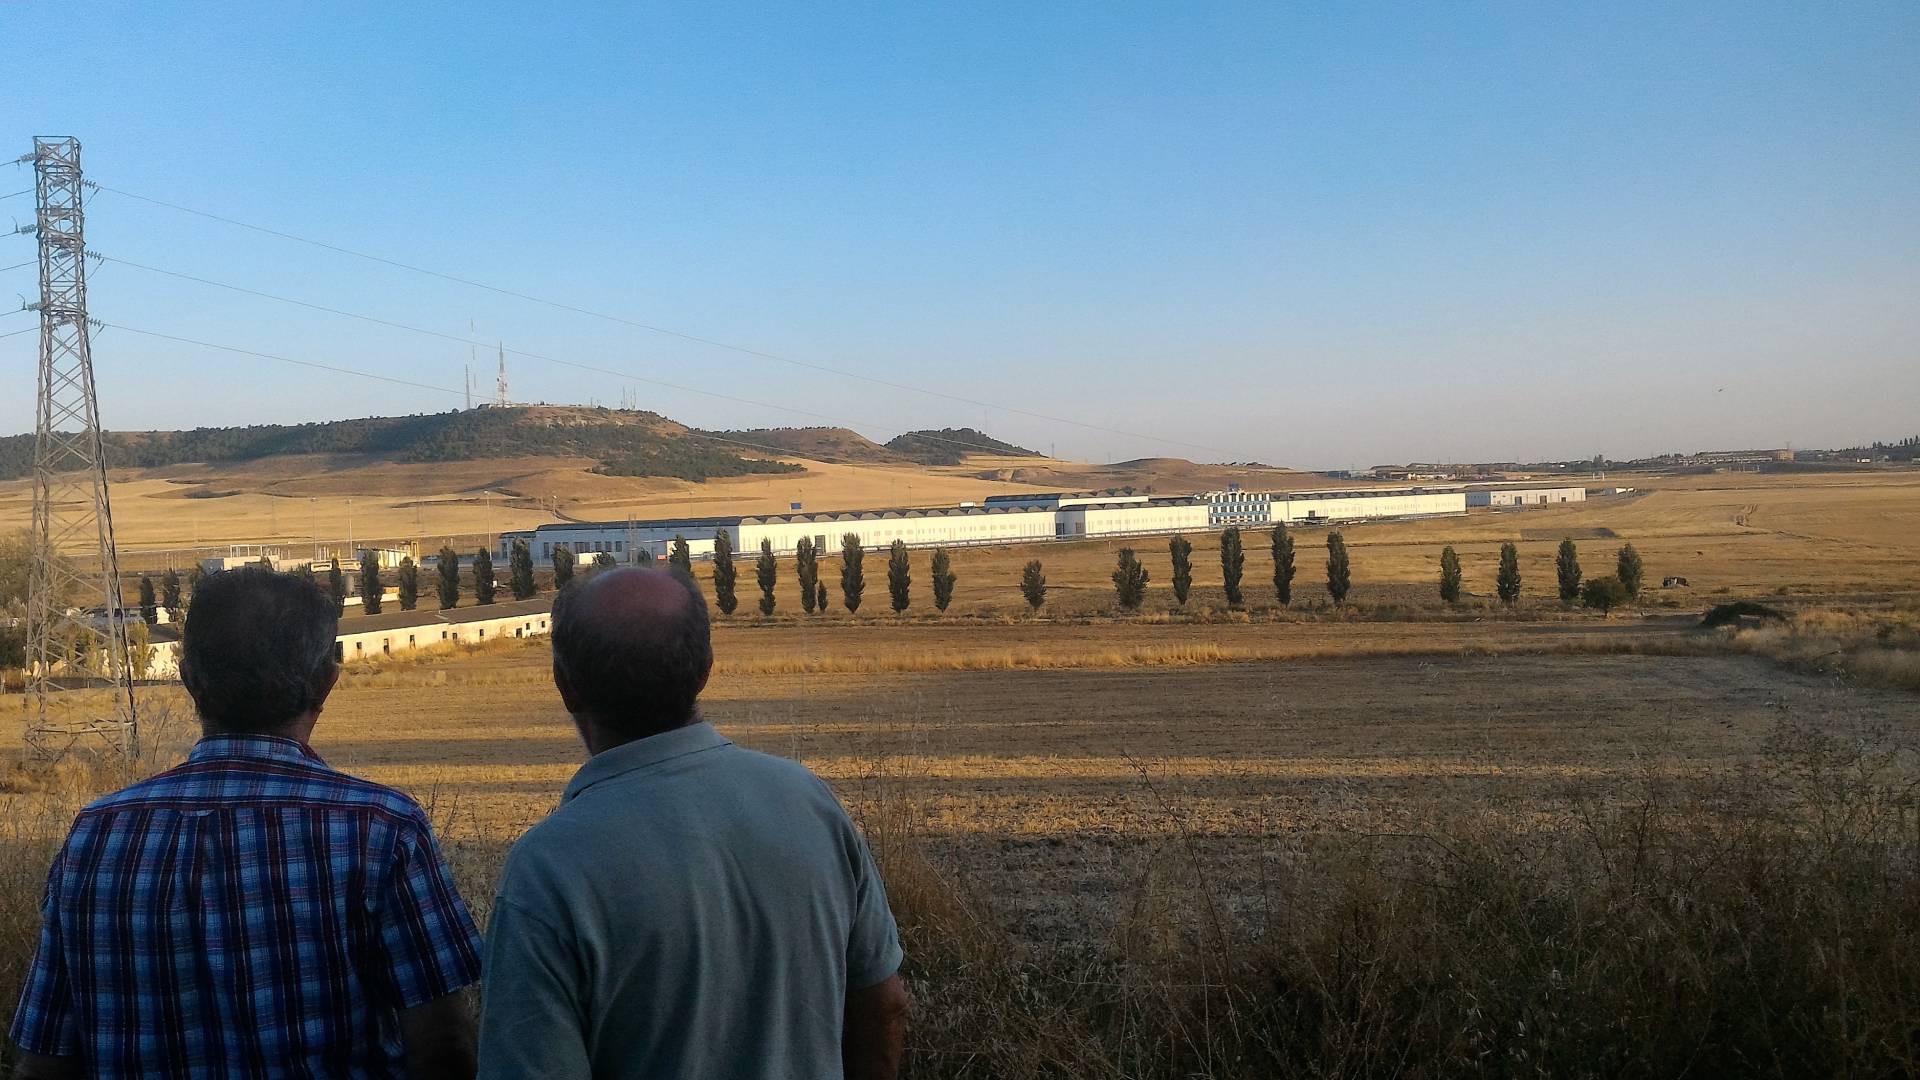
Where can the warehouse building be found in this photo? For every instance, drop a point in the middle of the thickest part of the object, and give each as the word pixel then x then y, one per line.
pixel 1312 507
pixel 1236 507
pixel 365 636
pixel 1017 519
pixel 1498 497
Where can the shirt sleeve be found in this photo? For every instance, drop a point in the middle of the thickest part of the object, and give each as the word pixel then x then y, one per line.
pixel 873 946
pixel 428 937
pixel 531 1022
pixel 44 1022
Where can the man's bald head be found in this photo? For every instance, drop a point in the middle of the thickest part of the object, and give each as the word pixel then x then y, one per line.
pixel 632 649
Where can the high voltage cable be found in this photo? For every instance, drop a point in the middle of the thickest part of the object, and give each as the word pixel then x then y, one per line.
pixel 690 433
pixel 105 259
pixel 589 312
pixel 17 194
pixel 23 330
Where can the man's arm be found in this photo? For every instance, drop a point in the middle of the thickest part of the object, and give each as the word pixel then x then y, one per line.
pixel 438 1037
pixel 32 1066
pixel 876 1030
pixel 530 1017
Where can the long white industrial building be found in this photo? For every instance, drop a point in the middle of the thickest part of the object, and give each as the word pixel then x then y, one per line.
pixel 1001 519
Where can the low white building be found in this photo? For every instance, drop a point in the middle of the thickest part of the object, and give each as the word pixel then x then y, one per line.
pixel 365 636
pixel 1309 507
pixel 1499 497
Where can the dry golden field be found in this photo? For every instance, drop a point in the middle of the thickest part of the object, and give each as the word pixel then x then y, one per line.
pixel 1391 840
pixel 292 499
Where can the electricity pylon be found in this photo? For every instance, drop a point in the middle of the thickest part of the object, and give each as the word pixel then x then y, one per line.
pixel 76 623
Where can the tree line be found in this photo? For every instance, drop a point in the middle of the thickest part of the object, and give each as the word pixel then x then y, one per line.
pixel 1130 576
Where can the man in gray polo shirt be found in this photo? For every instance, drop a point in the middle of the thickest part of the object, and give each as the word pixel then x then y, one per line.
pixel 692 909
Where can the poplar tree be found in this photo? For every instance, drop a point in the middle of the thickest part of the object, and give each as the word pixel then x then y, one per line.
pixel 563 562
pixel 520 570
pixel 1566 565
pixel 372 589
pixel 170 594
pixel 1033 584
pixel 853 579
pixel 1129 580
pixel 1449 575
pixel 1628 569
pixel 1508 583
pixel 1339 569
pixel 767 572
pixel 1181 549
pixel 449 573
pixel 149 603
pixel 1283 568
pixel 820 596
pixel 337 588
pixel 409 584
pixel 724 572
pixel 1233 563
pixel 899 576
pixel 483 584
pixel 682 555
pixel 806 567
pixel 943 579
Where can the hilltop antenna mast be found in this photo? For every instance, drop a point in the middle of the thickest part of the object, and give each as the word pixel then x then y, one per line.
pixel 500 386
pixel 69 649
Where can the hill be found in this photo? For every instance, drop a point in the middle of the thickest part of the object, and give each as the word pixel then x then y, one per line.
pixel 619 442
pixel 832 444
pixel 950 446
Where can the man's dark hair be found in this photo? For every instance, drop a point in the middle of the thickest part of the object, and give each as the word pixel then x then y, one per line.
pixel 639 666
pixel 257 649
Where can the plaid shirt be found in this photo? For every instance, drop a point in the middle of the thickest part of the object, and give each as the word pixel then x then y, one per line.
pixel 251 912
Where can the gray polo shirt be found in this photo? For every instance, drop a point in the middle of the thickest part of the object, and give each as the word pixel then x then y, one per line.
pixel 692 909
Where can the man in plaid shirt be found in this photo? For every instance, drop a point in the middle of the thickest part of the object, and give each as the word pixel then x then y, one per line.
pixel 251 912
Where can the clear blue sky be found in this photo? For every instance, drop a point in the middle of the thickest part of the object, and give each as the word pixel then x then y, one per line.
pixel 1317 235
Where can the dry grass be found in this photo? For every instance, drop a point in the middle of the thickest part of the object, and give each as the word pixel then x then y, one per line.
pixel 1329 846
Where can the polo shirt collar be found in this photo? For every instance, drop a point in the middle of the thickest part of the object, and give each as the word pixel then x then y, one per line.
pixel 253 748
pixel 641 753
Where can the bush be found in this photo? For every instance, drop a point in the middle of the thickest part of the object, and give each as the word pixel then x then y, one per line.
pixel 1740 611
pixel 1603 594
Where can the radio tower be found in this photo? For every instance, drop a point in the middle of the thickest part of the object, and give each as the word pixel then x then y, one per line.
pixel 500 385
pixel 78 668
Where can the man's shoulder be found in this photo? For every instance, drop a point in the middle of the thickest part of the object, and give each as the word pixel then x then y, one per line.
pixel 205 784
pixel 728 768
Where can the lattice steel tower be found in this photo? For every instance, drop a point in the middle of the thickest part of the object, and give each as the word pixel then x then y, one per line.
pixel 78 666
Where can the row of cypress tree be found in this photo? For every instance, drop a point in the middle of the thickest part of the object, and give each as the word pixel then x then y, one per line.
pixel 1130 577
pixel 813 591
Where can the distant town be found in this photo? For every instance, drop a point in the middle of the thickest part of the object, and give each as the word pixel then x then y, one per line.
pixel 1904 452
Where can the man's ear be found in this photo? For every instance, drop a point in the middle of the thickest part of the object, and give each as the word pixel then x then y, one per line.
pixel 324 682
pixel 567 696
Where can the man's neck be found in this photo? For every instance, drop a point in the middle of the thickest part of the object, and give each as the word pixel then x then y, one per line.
pixel 299 730
pixel 601 737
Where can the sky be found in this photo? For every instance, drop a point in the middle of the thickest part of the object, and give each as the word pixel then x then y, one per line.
pixel 1323 236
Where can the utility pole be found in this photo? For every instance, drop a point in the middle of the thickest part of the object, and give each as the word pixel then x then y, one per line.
pixel 70 507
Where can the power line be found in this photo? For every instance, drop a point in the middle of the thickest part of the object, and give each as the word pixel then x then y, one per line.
pixel 342 312
pixel 18 265
pixel 15 333
pixel 651 328
pixel 17 194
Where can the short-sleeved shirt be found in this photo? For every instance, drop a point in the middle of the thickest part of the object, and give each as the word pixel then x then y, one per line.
pixel 251 912
pixel 691 909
